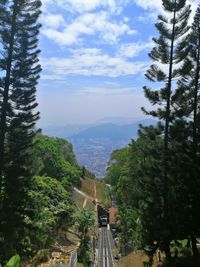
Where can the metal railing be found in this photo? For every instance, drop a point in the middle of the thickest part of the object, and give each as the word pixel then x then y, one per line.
pixel 72 262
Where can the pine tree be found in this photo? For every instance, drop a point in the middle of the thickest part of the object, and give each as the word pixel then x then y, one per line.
pixel 20 69
pixel 195 55
pixel 188 110
pixel 170 50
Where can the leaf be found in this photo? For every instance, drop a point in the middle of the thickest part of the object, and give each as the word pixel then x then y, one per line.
pixel 14 261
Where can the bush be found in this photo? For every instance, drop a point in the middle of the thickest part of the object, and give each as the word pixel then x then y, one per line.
pixel 183 262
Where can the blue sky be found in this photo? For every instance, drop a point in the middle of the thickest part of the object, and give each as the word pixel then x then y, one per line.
pixel 94 56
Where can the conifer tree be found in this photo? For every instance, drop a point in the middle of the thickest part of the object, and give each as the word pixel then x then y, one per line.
pixel 169 52
pixel 195 55
pixel 187 100
pixel 20 69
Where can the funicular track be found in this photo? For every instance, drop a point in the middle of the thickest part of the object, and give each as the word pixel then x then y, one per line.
pixel 105 252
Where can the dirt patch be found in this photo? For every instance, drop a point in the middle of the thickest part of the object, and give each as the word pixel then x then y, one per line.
pixel 135 259
pixel 59 252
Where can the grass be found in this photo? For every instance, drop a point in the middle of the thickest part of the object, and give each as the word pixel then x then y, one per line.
pixel 87 186
pixel 79 265
pixel 102 191
pixel 78 199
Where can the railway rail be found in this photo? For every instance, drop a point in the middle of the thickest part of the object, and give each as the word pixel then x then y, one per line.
pixel 105 251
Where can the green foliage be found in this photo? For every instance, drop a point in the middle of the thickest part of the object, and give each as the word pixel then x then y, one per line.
pixel 55 158
pixel 116 165
pixel 157 182
pixel 187 100
pixel 139 197
pixel 20 68
pixel 165 211
pixel 49 207
pixel 52 210
pixel 139 194
pixel 103 193
pixel 129 222
pixel 13 262
pixel 84 218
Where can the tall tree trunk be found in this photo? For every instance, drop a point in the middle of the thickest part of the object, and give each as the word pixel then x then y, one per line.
pixel 167 250
pixel 4 114
pixel 196 106
pixel 194 245
pixel 166 141
pixel 194 144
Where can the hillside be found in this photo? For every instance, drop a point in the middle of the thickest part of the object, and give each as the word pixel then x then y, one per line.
pixel 66 130
pixel 94 190
pixel 94 145
pixel 111 131
pixel 107 131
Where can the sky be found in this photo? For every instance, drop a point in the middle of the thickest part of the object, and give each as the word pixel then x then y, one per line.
pixel 94 56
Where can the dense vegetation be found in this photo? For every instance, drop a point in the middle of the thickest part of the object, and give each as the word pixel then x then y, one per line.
pixel 36 172
pixel 54 157
pixel 49 206
pixel 85 222
pixel 157 177
pixel 19 68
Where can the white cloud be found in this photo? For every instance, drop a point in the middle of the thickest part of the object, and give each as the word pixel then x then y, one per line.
pixel 53 21
pixel 154 8
pixel 70 22
pixel 86 24
pixel 149 4
pixel 194 5
pixel 60 38
pixel 157 5
pixel 91 62
pixel 148 17
pixel 81 6
pixel 134 49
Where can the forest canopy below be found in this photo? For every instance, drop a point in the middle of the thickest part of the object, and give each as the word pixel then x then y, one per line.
pixel 49 205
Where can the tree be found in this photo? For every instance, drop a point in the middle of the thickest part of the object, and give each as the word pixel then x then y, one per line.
pixel 195 55
pixel 170 50
pixel 188 119
pixel 20 69
pixel 55 158
pixel 84 221
pixel 51 212
pixel 116 165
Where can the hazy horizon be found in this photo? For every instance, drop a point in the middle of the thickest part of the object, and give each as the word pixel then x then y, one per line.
pixel 94 56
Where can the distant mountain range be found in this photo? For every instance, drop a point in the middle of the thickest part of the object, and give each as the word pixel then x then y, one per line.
pixel 111 131
pixel 93 144
pixel 65 131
